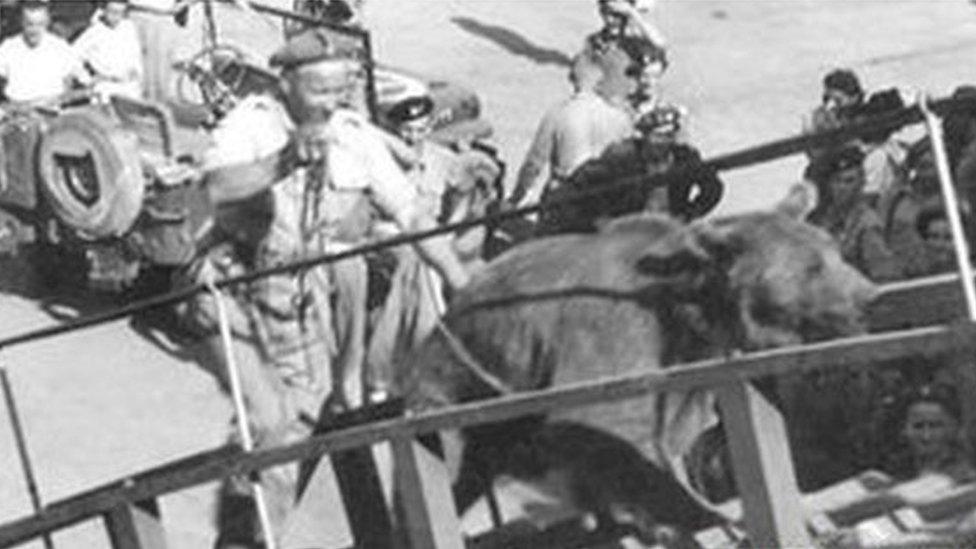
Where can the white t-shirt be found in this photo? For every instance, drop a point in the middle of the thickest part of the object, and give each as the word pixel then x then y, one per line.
pixel 37 73
pixel 115 54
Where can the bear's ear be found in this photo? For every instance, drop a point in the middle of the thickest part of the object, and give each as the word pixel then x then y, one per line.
pixel 695 250
pixel 799 201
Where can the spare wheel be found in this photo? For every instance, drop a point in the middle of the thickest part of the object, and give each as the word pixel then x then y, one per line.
pixel 91 174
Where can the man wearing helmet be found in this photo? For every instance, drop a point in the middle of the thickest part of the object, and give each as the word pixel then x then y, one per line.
pixel 655 151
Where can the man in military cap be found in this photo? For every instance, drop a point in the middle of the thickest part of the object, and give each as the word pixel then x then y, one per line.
pixel 432 169
pixel 320 169
pixel 450 186
pixel 656 150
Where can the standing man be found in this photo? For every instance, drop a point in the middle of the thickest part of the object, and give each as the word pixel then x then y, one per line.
pixel 432 169
pixel 577 130
pixel 111 51
pixel 623 21
pixel 300 338
pixel 37 65
pixel 446 190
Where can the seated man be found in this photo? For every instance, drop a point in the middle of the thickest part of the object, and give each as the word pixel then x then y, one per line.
pixel 111 51
pixel 843 211
pixel 37 65
pixel 934 228
pixel 884 154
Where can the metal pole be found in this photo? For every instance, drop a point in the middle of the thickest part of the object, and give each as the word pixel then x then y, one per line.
pixel 934 125
pixel 21 441
pixel 243 426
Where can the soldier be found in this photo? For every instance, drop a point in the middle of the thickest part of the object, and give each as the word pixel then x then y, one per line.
pixel 655 151
pixel 449 187
pixel 288 190
pixel 431 169
pixel 577 130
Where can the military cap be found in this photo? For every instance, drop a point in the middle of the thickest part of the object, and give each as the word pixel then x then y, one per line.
pixel 411 109
pixel 844 80
pixel 665 119
pixel 307 47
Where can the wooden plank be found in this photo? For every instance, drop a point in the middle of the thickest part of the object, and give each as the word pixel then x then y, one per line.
pixel 846 353
pixel 423 487
pixel 920 302
pixel 135 526
pixel 763 467
pixel 349 480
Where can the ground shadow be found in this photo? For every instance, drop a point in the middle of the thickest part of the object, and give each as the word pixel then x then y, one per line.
pixel 66 298
pixel 513 42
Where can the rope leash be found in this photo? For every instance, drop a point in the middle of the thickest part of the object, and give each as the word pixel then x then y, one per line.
pixel 237 395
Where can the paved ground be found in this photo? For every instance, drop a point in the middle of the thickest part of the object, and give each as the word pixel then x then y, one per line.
pixel 106 402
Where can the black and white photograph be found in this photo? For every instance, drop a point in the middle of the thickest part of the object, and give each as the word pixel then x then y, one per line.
pixel 487 274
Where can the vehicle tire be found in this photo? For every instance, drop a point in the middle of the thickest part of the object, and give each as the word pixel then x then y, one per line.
pixel 90 174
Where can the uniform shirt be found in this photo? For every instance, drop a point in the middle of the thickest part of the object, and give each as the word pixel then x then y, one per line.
pixel 436 172
pixel 359 161
pixel 883 164
pixel 256 127
pixel 115 55
pixel 860 234
pixel 38 73
pixel 572 133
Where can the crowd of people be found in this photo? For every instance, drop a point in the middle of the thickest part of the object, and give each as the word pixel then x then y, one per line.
pixel 879 194
pixel 301 173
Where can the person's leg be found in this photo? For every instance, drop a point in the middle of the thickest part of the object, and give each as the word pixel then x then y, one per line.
pixel 383 341
pixel 349 284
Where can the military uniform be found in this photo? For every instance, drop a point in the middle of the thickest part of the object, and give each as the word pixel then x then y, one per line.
pixel 284 338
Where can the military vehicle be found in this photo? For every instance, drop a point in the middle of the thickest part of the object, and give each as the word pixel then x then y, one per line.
pixel 112 190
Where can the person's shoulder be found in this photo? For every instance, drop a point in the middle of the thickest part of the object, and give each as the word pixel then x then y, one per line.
pixel 12 43
pixel 867 218
pixel 54 41
pixel 256 110
pixel 348 121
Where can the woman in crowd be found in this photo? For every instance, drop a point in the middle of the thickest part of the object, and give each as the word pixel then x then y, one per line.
pixel 931 439
pixel 933 227
pixel 844 212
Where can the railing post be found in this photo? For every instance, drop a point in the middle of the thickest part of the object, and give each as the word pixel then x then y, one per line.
pixel 423 486
pixel 136 526
pixel 763 468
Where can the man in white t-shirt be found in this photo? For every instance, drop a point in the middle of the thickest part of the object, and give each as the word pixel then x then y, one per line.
pixel 36 64
pixel 111 51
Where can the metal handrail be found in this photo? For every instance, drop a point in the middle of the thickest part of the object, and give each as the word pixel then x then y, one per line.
pixel 738 159
pixel 216 464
